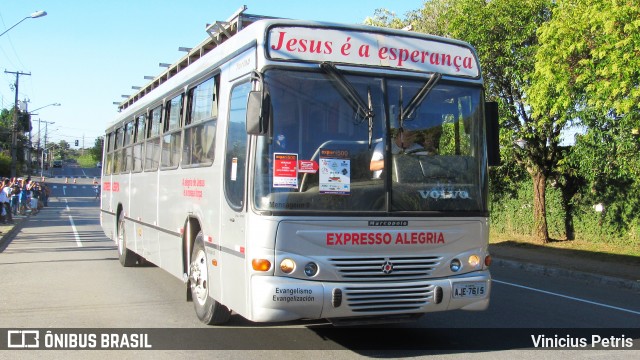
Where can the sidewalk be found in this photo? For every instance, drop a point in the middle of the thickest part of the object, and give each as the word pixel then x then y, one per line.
pixel 598 268
pixel 617 270
pixel 9 230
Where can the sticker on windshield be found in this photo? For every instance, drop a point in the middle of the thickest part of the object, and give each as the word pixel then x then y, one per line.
pixel 307 166
pixel 285 170
pixel 335 172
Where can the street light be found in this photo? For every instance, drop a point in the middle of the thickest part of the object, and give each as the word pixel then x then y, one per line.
pixel 42 107
pixel 34 15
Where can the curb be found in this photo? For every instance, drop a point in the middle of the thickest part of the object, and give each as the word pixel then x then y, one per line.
pixel 567 273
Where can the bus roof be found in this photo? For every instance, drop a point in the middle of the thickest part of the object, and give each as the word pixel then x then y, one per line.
pixel 322 41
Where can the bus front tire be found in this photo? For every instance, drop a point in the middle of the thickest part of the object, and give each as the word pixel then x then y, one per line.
pixel 127 257
pixel 208 310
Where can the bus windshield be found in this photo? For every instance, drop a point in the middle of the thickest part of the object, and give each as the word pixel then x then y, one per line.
pixel 324 154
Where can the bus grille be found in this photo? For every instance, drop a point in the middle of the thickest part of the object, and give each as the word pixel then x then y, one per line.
pixel 388 299
pixel 381 268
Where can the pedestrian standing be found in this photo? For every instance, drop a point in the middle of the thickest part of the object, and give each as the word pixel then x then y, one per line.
pixel 5 202
pixel 15 198
pixel 96 188
pixel 23 197
pixel 46 192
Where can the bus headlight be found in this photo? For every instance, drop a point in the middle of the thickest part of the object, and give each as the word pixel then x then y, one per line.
pixel 474 260
pixel 455 265
pixel 311 269
pixel 287 266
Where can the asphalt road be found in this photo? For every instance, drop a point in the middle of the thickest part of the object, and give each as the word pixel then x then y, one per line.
pixel 60 272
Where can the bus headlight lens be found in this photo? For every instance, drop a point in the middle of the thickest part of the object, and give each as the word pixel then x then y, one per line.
pixel 287 266
pixel 455 265
pixel 474 260
pixel 311 269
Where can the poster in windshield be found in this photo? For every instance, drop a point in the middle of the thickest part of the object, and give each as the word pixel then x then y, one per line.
pixel 285 170
pixel 335 172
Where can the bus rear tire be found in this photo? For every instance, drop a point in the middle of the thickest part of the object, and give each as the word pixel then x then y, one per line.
pixel 127 257
pixel 208 310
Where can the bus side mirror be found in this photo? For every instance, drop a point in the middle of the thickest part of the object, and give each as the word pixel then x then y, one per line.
pixel 492 133
pixel 257 113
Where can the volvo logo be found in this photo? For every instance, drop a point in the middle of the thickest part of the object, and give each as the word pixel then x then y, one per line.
pixel 387 267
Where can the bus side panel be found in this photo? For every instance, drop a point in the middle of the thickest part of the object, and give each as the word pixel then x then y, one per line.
pixel 123 196
pixel 145 209
pixel 172 217
pixel 107 220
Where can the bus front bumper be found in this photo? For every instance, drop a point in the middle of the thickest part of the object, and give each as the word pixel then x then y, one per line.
pixel 282 299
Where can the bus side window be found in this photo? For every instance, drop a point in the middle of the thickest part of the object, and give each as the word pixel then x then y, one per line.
pixel 152 151
pixel 171 141
pixel 202 113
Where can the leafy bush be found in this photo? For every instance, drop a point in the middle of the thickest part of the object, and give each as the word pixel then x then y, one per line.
pixel 619 223
pixel 5 164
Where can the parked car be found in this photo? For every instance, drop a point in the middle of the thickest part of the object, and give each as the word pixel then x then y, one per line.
pixel 57 163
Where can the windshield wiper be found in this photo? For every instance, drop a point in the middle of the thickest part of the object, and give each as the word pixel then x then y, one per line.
pixel 419 96
pixel 346 89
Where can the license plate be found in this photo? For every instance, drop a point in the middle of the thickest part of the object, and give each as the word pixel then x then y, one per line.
pixel 466 290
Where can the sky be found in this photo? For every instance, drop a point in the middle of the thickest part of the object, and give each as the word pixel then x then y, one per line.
pixel 86 54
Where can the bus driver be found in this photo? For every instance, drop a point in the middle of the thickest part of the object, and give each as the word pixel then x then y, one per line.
pixel 404 141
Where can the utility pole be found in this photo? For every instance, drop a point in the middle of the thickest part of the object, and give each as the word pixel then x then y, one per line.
pixel 42 157
pixel 14 132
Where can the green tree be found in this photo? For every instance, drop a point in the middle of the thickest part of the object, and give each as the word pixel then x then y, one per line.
pixel 588 71
pixel 385 18
pixel 6 121
pixel 6 131
pixel 96 150
pixel 429 20
pixel 62 150
pixel 504 33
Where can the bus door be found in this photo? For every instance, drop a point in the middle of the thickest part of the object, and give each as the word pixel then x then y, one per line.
pixel 233 210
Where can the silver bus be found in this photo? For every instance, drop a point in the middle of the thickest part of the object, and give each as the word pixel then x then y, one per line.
pixel 290 169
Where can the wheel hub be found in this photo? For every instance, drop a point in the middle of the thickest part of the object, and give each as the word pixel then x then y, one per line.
pixel 198 277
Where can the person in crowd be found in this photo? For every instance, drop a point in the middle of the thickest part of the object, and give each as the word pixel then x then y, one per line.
pixel 5 201
pixel 15 196
pixel 23 197
pixel 46 192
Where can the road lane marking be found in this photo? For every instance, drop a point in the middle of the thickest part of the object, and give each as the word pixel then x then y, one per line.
pixel 567 297
pixel 73 227
pixel 75 232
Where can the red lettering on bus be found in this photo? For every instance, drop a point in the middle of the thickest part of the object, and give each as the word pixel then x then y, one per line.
pixel 302 45
pixel 366 238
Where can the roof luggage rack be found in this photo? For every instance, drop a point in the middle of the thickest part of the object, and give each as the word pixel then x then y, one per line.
pixel 219 32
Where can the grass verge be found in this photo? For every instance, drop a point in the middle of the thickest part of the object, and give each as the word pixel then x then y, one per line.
pixel 597 248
